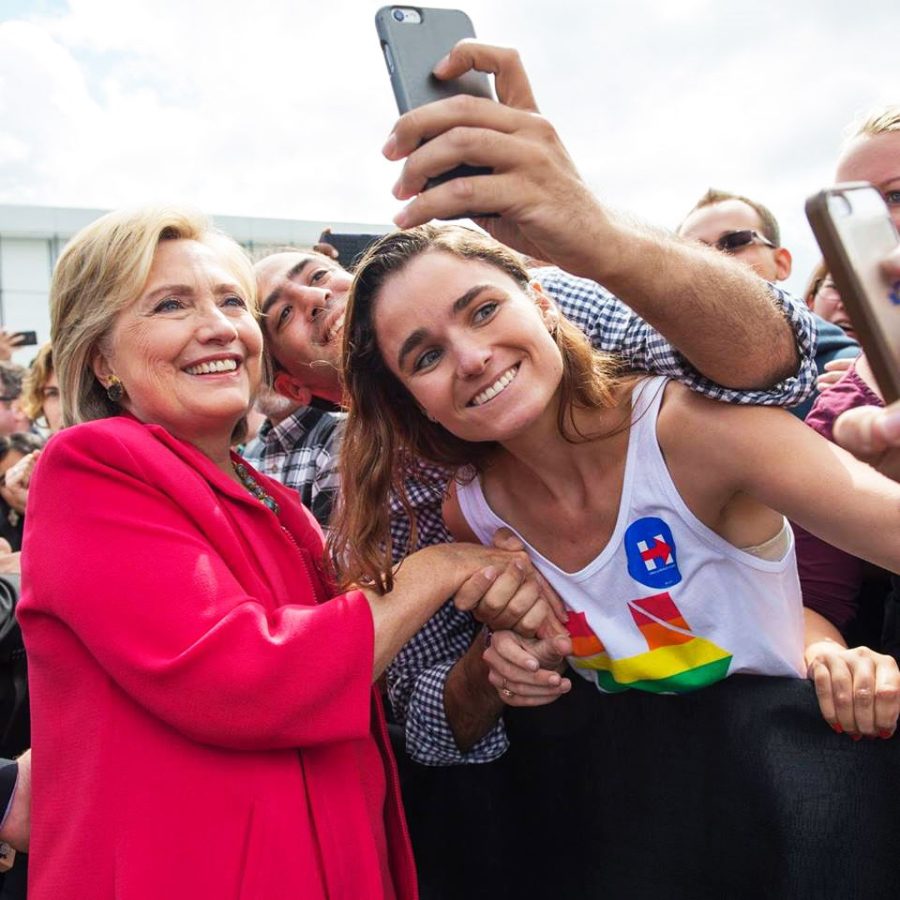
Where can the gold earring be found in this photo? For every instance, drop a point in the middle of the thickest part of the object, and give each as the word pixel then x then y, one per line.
pixel 115 390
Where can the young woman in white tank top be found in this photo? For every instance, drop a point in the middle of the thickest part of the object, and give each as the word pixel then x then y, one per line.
pixel 650 509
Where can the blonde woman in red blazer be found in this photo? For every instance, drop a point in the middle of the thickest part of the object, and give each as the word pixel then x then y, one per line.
pixel 204 723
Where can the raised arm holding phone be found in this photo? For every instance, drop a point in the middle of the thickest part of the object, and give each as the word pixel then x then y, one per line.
pixel 706 305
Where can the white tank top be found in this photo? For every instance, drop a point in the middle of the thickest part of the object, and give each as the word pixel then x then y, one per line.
pixel 668 606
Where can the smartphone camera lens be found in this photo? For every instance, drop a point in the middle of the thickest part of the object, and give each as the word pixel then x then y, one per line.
pixel 407 15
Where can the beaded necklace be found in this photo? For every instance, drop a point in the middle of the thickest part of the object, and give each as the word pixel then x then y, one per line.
pixel 252 485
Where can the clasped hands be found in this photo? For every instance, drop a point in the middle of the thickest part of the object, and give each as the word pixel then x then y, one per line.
pixel 528 642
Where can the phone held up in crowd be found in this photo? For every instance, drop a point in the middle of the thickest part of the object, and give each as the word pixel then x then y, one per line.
pixel 855 233
pixel 414 40
pixel 350 247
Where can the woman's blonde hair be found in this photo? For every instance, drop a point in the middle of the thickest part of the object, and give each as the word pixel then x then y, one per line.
pixel 100 272
pixel 386 435
pixel 36 378
pixel 880 120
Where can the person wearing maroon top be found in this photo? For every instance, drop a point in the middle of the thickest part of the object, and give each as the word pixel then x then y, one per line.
pixel 832 579
pixel 851 412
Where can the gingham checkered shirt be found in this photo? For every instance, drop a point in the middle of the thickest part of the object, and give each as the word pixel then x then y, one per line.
pixel 301 452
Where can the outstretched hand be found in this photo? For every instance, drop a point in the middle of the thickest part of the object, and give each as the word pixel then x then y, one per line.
pixel 9 342
pixel 834 372
pixel 872 434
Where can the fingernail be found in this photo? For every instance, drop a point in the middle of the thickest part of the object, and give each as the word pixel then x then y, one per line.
pixel 441 64
pixel 519 565
pixel 856 737
pixel 401 220
pixel 837 727
pixel 490 573
pixel 390 146
pixel 532 665
pixel 885 734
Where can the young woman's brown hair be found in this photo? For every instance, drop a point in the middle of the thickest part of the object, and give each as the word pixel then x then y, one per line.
pixel 387 438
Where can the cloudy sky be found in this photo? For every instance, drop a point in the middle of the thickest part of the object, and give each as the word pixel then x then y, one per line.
pixel 279 108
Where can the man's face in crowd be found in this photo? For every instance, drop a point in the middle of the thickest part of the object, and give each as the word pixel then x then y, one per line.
pixel 302 296
pixel 877 160
pixel 710 223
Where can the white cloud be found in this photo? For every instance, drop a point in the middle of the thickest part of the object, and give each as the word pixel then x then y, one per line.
pixel 280 109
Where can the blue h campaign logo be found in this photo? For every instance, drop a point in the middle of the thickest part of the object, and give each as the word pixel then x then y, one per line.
pixel 650 549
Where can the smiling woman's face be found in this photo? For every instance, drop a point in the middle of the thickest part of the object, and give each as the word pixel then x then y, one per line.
pixel 469 344
pixel 187 349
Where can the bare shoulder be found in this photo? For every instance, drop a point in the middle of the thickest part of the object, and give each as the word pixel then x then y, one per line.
pixel 684 415
pixel 684 411
pixel 727 436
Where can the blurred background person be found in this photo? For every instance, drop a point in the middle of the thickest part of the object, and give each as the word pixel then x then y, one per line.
pixel 824 299
pixel 40 392
pixel 12 418
pixel 13 497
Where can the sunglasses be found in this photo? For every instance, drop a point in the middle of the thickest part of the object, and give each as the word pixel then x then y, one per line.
pixel 733 241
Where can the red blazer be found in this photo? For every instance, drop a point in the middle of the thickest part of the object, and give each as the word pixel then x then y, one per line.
pixel 204 725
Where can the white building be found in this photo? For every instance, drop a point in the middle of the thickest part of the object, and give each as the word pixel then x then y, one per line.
pixel 32 237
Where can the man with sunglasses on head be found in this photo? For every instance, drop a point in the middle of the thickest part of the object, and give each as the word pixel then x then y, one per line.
pixel 749 232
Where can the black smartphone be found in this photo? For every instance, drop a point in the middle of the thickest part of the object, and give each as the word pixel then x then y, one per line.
pixel 855 233
pixel 27 338
pixel 414 39
pixel 350 247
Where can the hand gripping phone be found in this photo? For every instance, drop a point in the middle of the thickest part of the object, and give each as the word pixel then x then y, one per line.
pixel 414 40
pixel 26 338
pixel 854 230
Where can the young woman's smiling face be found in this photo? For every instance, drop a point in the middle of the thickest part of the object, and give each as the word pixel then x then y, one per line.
pixel 470 345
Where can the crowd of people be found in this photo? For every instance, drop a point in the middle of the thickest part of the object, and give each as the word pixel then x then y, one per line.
pixel 275 492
